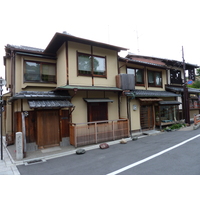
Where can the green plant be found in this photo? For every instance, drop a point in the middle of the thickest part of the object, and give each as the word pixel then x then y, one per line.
pixel 174 126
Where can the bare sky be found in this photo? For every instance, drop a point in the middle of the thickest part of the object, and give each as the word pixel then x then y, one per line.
pixel 156 28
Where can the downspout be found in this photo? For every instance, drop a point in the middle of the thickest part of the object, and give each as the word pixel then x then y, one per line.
pixel 12 88
pixel 119 103
pixel 145 77
pixel 92 65
pixel 67 62
pixel 131 97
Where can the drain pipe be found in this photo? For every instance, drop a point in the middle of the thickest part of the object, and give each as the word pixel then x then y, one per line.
pixel 132 96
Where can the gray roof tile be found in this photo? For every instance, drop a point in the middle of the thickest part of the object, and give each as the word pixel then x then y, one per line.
pixel 151 93
pixel 37 95
pixel 49 103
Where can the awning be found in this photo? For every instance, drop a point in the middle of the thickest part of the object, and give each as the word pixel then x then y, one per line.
pixel 98 100
pixel 169 102
pixel 180 89
pixel 85 88
pixel 49 104
pixel 151 94
pixel 150 99
pixel 38 95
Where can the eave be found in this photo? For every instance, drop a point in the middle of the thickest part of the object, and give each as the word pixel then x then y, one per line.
pixel 60 38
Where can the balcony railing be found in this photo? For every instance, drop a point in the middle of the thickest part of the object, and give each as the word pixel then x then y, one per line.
pixel 96 132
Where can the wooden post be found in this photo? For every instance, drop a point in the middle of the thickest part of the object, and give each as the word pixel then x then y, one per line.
pixel 185 95
pixel 75 135
pixel 24 133
pixel 113 130
pixel 95 128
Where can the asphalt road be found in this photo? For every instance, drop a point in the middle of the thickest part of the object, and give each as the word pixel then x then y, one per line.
pixel 170 153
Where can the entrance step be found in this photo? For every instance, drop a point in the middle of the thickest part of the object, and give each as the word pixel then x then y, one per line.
pixel 150 132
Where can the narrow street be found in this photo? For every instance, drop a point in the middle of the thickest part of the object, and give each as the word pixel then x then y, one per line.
pixel 169 153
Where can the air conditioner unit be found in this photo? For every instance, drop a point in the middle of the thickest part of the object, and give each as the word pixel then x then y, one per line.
pixel 125 81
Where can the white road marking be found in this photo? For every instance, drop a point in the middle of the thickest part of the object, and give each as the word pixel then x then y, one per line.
pixel 151 157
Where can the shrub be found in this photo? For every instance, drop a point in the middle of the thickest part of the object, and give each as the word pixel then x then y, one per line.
pixel 174 126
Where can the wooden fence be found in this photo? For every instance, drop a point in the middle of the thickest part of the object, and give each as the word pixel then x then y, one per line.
pixel 96 132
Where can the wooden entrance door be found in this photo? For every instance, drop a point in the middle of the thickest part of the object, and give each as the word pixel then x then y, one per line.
pixel 48 128
pixel 146 117
pixel 64 123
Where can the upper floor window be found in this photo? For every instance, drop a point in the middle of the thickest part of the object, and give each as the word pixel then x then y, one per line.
pixel 175 76
pixel 90 65
pixel 39 72
pixel 154 78
pixel 139 75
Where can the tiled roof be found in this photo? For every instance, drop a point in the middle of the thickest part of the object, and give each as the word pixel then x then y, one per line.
pixel 169 102
pixel 72 87
pixel 180 89
pixel 26 48
pixel 141 62
pixel 151 93
pixel 37 95
pixel 49 103
pixel 165 61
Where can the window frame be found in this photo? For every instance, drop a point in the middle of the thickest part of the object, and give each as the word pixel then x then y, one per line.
pixel 154 78
pixel 41 64
pixel 92 74
pixel 137 84
pixel 173 78
pixel 99 106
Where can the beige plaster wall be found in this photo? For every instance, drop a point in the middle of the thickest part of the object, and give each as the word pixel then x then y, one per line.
pixel 79 115
pixel 111 62
pixel 8 121
pixel 123 107
pixel 61 66
pixel 73 47
pixel 124 66
pixel 8 72
pixel 135 115
pixel 112 67
pixel 19 71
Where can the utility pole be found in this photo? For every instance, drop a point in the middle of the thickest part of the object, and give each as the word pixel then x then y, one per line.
pixel 185 95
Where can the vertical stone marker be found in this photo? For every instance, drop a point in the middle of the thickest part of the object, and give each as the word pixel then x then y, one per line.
pixel 19 146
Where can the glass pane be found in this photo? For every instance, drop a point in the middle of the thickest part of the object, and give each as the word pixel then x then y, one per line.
pixel 139 76
pixel 99 66
pixel 84 64
pixel 48 73
pixel 158 78
pixel 32 71
pixel 150 78
pixel 130 71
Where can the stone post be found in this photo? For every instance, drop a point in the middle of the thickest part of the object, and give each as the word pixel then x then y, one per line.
pixel 19 146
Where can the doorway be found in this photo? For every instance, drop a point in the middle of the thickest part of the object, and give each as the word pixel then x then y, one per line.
pixel 146 117
pixel 48 128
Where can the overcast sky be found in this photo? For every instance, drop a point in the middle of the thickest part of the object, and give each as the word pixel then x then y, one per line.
pixel 156 28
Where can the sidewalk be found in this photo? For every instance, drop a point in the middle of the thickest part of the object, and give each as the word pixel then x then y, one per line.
pixel 7 167
pixel 41 155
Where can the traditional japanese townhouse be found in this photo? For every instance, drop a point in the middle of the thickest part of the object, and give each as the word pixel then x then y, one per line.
pixel 157 99
pixel 64 95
